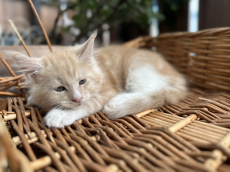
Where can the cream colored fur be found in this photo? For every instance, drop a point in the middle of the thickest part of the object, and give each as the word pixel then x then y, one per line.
pixel 119 81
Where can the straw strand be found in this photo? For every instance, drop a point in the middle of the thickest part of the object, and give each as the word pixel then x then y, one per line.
pixel 36 14
pixel 19 36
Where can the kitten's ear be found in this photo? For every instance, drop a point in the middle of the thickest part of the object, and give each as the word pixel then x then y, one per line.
pixel 27 64
pixel 85 51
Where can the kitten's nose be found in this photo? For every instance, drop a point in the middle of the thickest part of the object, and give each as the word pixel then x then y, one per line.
pixel 77 100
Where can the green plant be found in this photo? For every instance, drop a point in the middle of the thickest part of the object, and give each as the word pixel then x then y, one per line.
pixel 170 9
pixel 111 12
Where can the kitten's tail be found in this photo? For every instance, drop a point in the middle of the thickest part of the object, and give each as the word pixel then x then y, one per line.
pixel 169 95
pixel 132 103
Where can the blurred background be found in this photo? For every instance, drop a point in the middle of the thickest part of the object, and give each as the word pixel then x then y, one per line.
pixel 70 22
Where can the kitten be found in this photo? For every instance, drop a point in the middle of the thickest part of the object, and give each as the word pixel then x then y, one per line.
pixel 76 82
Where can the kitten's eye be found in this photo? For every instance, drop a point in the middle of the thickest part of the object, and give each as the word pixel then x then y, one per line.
pixel 60 89
pixel 82 81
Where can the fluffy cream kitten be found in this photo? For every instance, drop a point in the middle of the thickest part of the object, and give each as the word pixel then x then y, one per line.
pixel 76 82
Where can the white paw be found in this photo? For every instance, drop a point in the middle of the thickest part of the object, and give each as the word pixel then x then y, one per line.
pixel 54 118
pixel 68 120
pixel 58 118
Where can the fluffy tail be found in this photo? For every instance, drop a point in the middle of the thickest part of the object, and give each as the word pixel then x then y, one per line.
pixel 132 103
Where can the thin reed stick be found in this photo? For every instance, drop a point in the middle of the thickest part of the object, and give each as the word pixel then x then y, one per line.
pixel 7 66
pixel 9 94
pixel 24 45
pixel 35 12
pixel 145 112
pixel 183 123
pixel 13 115
pixel 19 36
pixel 11 79
pixel 8 86
pixel 8 147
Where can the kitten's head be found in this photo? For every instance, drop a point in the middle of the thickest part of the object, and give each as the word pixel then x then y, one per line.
pixel 65 79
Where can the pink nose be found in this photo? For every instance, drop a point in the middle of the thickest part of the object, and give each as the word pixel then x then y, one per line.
pixel 77 100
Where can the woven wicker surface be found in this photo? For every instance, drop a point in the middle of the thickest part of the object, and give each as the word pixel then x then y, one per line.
pixel 211 108
pixel 148 141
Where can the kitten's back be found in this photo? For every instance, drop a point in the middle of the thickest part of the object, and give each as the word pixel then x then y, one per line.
pixel 118 61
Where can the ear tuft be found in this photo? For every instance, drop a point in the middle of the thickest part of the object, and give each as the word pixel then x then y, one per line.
pixel 26 63
pixel 85 51
pixel 93 35
pixel 12 53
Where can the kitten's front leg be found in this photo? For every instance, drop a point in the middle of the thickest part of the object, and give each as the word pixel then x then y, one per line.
pixel 60 118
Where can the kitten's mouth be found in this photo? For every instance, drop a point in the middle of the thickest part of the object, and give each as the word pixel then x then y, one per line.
pixel 77 104
pixel 68 107
pixel 59 106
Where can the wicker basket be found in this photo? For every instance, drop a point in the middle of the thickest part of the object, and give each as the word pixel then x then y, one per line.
pixel 192 135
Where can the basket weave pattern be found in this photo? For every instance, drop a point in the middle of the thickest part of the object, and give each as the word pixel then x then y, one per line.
pixel 155 141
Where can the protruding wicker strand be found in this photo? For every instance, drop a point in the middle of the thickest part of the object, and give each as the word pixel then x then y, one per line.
pixel 19 36
pixel 42 27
